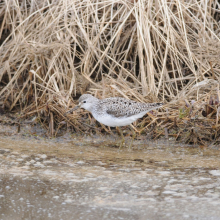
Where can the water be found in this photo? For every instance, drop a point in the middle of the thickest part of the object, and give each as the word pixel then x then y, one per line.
pixel 85 178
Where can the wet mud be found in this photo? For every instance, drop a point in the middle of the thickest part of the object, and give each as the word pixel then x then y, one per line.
pixel 89 177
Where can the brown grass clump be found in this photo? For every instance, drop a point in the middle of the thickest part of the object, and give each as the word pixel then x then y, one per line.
pixel 53 51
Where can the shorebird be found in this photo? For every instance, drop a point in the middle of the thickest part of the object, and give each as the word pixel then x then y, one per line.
pixel 115 111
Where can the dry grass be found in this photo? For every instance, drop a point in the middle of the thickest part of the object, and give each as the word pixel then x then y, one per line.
pixel 53 51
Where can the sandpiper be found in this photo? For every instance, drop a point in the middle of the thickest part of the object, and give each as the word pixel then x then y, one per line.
pixel 115 111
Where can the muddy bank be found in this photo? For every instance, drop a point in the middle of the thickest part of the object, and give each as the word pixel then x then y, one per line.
pixel 88 177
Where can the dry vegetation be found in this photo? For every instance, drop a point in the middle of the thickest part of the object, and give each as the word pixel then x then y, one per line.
pixel 53 51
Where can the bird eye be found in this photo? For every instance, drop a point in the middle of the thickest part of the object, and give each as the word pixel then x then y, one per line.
pixel 84 101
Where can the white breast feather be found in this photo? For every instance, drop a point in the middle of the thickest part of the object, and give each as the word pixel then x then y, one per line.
pixel 114 121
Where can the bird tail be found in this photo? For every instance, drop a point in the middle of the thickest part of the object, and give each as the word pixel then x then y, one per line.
pixel 153 106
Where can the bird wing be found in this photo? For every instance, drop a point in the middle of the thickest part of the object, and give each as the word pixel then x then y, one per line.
pixel 120 107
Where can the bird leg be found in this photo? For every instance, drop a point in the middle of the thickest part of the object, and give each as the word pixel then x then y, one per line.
pixel 133 136
pixel 122 137
pixel 132 126
pixel 110 131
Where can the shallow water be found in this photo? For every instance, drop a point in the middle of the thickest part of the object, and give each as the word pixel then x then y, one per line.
pixel 75 177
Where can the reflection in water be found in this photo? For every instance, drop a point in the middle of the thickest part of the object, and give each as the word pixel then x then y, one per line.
pixel 86 179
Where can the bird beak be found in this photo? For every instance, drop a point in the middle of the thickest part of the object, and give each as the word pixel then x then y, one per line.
pixel 72 110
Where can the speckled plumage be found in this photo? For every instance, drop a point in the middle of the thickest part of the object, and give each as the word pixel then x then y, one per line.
pixel 115 111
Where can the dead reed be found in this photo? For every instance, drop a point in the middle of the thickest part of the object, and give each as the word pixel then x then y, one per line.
pixel 53 51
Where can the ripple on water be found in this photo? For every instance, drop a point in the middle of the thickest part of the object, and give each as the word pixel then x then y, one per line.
pixel 215 172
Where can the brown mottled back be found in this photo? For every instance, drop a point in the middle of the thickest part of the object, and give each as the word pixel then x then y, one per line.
pixel 121 107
